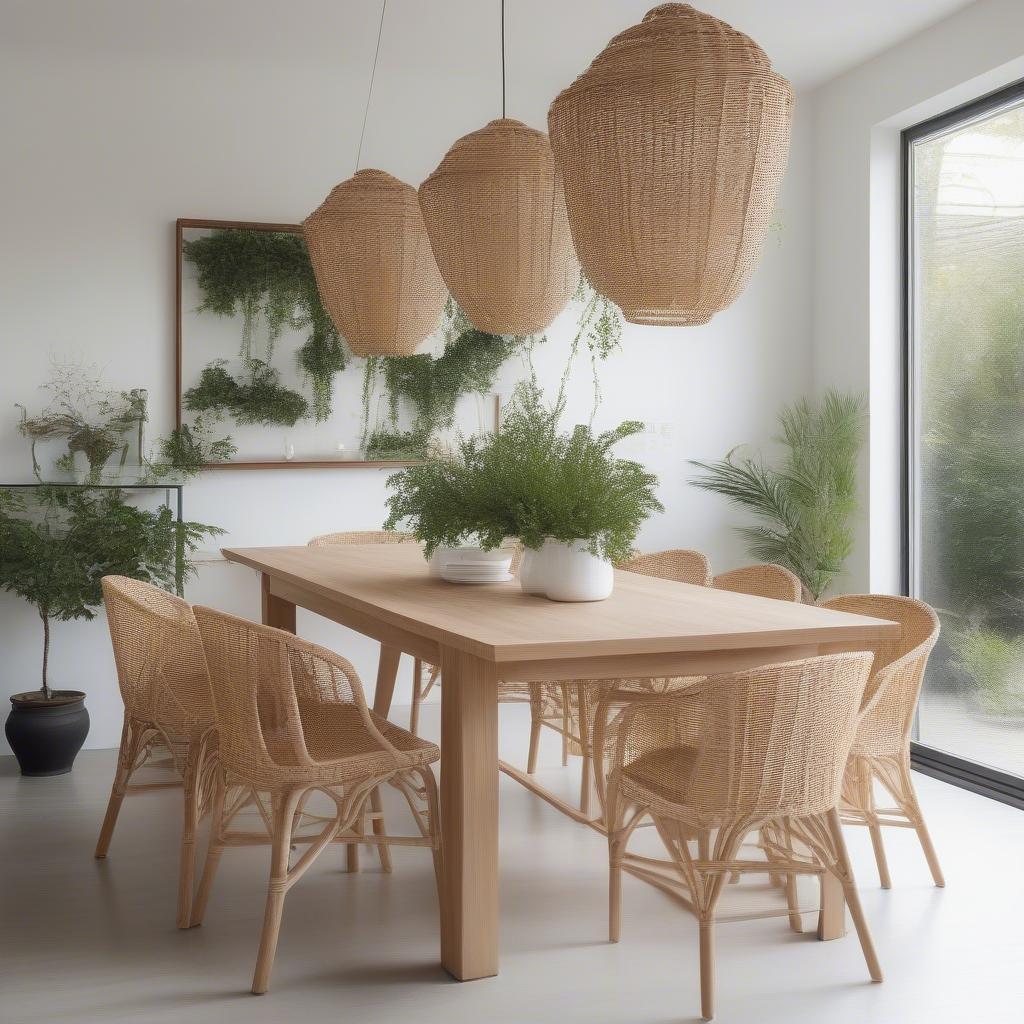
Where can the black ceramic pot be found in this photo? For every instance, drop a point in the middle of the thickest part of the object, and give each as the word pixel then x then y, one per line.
pixel 46 735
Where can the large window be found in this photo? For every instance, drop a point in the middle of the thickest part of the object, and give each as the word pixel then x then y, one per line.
pixel 965 507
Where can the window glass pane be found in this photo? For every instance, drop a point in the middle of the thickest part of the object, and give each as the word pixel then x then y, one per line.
pixel 967 332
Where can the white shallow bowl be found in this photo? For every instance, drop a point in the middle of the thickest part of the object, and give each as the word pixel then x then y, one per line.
pixel 498 560
pixel 453 577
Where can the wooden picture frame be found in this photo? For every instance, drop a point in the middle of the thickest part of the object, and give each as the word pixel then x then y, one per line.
pixel 185 366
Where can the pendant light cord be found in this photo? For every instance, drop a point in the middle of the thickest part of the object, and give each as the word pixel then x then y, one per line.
pixel 503 59
pixel 373 74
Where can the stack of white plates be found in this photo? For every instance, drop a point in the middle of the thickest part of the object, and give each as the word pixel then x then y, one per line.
pixel 472 565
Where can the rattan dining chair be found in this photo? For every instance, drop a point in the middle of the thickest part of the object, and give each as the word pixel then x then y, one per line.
pixel 161 673
pixel 881 750
pixel 769 580
pixel 772 747
pixel 568 708
pixel 293 721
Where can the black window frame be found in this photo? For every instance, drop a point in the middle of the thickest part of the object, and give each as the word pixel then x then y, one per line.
pixel 940 764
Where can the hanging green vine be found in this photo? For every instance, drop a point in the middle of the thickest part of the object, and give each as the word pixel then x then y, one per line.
pixel 267 275
pixel 259 399
pixel 433 386
pixel 600 327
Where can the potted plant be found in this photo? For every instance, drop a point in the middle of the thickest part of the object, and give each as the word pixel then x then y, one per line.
pixel 575 506
pixel 88 417
pixel 53 552
pixel 805 505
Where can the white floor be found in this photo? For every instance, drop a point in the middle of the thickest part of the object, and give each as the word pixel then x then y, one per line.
pixel 87 941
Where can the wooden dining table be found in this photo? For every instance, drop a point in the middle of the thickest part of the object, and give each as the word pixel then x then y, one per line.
pixel 480 634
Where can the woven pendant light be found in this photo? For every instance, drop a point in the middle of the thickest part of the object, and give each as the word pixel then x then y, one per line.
pixel 374 266
pixel 672 145
pixel 495 214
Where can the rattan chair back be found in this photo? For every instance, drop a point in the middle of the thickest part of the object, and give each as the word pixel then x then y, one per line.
pixel 773 741
pixel 898 670
pixel 159 657
pixel 326 540
pixel 279 700
pixel 679 564
pixel 770 580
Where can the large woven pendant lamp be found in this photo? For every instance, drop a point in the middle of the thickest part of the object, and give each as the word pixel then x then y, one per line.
pixel 672 146
pixel 495 214
pixel 374 266
pixel 372 259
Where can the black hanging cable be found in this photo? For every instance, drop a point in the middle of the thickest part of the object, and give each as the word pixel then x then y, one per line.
pixel 503 59
pixel 373 74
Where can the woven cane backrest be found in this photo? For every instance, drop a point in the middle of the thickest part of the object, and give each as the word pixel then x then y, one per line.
pixel 898 670
pixel 773 741
pixel 279 700
pixel 679 564
pixel 774 581
pixel 161 670
pixel 326 540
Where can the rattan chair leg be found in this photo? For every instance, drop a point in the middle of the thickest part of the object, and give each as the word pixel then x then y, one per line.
pixel 535 727
pixel 417 696
pixel 380 829
pixel 707 968
pixel 190 823
pixel 284 817
pixel 214 849
pixel 585 783
pixel 434 818
pixel 908 799
pixel 845 871
pixel 866 785
pixel 126 756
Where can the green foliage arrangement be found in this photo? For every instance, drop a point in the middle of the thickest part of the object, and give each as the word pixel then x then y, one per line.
pixel 95 419
pixel 261 398
pixel 528 480
pixel 266 275
pixel 55 551
pixel 190 447
pixel 996 664
pixel 433 386
pixel 805 505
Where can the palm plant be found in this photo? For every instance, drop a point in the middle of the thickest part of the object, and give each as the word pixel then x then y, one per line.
pixel 807 502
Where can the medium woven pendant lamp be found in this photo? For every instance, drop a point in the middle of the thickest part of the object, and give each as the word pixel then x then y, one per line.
pixel 672 146
pixel 374 266
pixel 495 214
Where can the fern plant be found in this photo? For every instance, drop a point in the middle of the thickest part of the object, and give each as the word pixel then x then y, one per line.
pixel 531 480
pixel 806 503
pixel 260 398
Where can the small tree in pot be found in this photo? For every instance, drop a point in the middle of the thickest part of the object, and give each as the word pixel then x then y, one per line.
pixel 54 551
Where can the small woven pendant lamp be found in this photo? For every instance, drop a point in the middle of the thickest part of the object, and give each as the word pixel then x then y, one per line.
pixel 672 146
pixel 374 266
pixel 495 214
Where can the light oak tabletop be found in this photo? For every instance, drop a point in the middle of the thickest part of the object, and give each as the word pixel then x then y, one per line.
pixel 498 622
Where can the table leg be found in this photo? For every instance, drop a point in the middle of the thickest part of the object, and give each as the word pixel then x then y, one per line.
pixel 832 916
pixel 276 611
pixel 469 816
pixel 387 673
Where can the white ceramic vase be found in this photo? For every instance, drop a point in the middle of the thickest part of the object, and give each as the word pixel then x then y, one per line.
pixel 531 573
pixel 572 573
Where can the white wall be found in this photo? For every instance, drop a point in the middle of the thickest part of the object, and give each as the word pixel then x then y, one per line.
pixel 855 286
pixel 118 117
